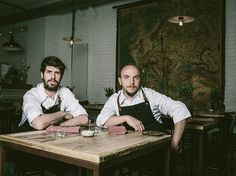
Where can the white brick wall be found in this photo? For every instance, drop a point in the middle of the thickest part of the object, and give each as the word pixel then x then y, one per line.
pixel 101 39
pixel 58 27
pixel 101 57
pixel 35 48
pixel 97 27
pixel 230 56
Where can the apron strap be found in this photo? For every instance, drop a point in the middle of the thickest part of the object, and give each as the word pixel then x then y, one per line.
pixel 144 95
pixel 118 103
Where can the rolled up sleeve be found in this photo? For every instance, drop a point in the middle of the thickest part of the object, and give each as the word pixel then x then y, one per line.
pixel 31 107
pixel 175 109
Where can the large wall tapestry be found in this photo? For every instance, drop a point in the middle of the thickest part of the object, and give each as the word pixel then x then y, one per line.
pixel 185 62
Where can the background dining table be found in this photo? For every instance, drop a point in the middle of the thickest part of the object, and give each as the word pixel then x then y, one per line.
pixel 201 124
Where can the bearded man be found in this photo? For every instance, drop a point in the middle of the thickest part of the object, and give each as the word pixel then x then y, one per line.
pixel 49 102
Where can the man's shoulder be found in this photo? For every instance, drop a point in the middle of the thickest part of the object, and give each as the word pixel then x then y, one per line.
pixel 151 92
pixel 146 89
pixel 114 95
pixel 63 89
pixel 112 99
pixel 35 89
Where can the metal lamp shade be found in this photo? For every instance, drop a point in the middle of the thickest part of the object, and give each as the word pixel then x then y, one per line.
pixel 72 40
pixel 11 45
pixel 181 19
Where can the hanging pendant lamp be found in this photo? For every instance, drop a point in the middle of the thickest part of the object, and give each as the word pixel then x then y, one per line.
pixel 72 39
pixel 181 19
pixel 11 45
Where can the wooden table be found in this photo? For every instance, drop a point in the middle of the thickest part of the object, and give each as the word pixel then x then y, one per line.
pixel 201 130
pixel 97 153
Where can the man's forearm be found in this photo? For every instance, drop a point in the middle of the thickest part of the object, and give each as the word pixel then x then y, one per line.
pixel 78 120
pixel 178 132
pixel 114 120
pixel 44 120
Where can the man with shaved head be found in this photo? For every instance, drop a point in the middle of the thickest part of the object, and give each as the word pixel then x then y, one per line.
pixel 139 108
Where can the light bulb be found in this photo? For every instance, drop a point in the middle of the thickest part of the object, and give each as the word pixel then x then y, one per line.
pixel 71 42
pixel 181 20
pixel 181 23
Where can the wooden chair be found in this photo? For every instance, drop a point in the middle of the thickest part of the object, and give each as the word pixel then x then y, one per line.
pixel 232 146
pixel 190 152
pixel 142 166
pixel 148 166
pixel 24 164
pixel 145 166
pixel 6 120
pixel 218 161
pixel 9 121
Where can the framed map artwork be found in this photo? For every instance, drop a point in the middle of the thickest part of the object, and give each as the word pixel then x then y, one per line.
pixel 184 62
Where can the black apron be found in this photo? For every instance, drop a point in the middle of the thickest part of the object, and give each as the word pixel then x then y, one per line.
pixel 54 108
pixel 142 112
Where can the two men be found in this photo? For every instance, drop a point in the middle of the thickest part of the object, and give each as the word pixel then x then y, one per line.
pixel 141 108
pixel 134 106
pixel 49 102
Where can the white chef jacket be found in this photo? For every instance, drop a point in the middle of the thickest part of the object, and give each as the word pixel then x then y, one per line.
pixel 159 103
pixel 35 97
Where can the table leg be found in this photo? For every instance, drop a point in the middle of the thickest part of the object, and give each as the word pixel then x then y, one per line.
pixel 96 171
pixel 79 171
pixel 2 159
pixel 200 154
pixel 167 162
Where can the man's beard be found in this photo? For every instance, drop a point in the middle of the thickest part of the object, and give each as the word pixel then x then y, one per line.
pixel 131 94
pixel 50 88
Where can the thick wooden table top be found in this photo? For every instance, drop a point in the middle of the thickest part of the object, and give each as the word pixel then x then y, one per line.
pixel 93 149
